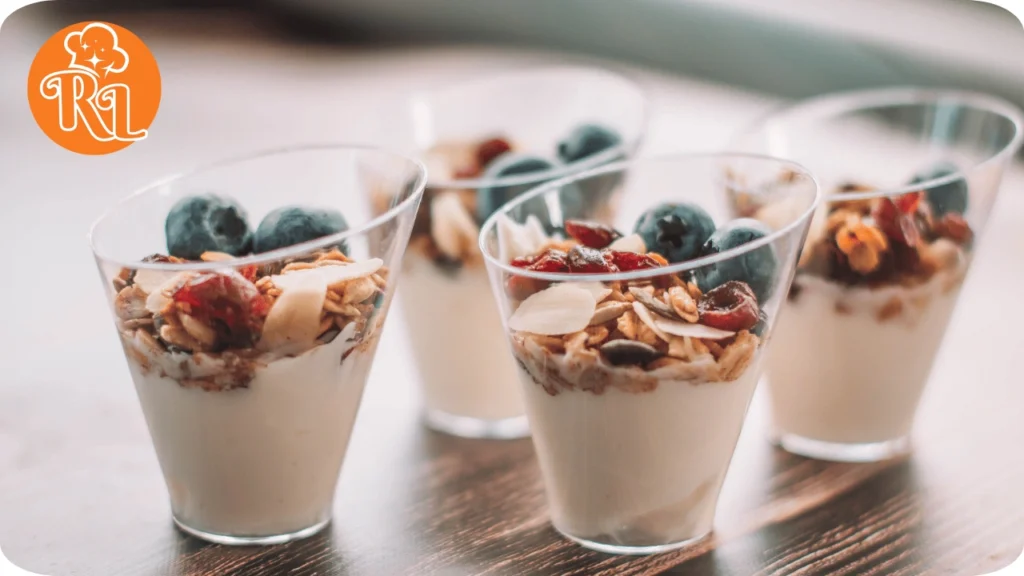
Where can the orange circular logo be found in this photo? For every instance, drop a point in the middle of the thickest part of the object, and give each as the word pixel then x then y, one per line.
pixel 94 88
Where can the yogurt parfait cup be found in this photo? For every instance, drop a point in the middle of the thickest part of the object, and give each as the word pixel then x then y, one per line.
pixel 638 337
pixel 910 177
pixel 484 142
pixel 249 346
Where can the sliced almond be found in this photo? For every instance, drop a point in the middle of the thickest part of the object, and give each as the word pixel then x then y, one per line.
pixel 294 319
pixel 210 256
pixel 648 318
pixel 598 290
pixel 358 290
pixel 451 225
pixel 160 297
pixel 332 275
pixel 647 298
pixel 631 243
pixel 677 328
pixel 516 240
pixel 535 232
pixel 609 311
pixel 151 280
pixel 560 309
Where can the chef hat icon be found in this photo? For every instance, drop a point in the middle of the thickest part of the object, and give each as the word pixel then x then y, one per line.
pixel 95 49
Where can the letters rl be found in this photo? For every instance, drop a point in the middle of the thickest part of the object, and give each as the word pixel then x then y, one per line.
pixel 105 112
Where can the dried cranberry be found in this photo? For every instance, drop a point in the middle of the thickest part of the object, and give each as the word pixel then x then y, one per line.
pixel 591 234
pixel 730 306
pixel 899 226
pixel 626 261
pixel 908 203
pixel 231 304
pixel 588 261
pixel 954 227
pixel 488 150
pixel 551 261
pixel 523 261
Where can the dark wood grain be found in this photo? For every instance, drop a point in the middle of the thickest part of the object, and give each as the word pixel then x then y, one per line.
pixel 81 492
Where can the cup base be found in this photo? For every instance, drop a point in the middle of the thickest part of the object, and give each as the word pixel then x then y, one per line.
pixel 468 427
pixel 231 540
pixel 842 452
pixel 622 550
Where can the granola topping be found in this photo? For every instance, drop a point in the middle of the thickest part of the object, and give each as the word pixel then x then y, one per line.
pixel 212 330
pixel 629 335
pixel 889 249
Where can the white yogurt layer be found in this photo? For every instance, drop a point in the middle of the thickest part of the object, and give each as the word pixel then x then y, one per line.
pixel 848 376
pixel 637 469
pixel 460 345
pixel 260 460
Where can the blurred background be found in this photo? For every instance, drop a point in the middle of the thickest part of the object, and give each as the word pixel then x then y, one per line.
pixel 790 48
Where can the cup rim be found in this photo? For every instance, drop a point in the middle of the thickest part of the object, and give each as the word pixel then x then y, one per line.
pixel 837 102
pixel 629 149
pixel 492 220
pixel 273 255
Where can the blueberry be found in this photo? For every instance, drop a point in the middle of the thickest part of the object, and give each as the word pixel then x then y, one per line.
pixel 508 164
pixel 676 231
pixel 951 197
pixel 756 268
pixel 207 222
pixel 295 224
pixel 586 140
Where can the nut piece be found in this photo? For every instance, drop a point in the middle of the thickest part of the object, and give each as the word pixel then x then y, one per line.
pixel 130 303
pixel 358 290
pixel 862 244
pixel 627 324
pixel 201 332
pixel 682 303
pixel 609 311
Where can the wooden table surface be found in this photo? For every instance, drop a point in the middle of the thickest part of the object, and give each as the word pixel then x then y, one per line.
pixel 80 489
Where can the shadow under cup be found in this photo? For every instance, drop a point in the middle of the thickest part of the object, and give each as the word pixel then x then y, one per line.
pixel 635 401
pixel 250 370
pixel 467 379
pixel 909 177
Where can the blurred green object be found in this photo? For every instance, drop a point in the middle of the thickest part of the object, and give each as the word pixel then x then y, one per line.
pixel 792 48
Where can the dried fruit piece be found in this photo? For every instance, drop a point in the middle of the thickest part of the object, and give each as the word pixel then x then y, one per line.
pixel 897 225
pixel 560 309
pixel 229 303
pixel 591 234
pixel 628 261
pixel 954 227
pixel 584 260
pixel 731 306
pixel 909 203
pixel 490 149
pixel 523 261
pixel 551 261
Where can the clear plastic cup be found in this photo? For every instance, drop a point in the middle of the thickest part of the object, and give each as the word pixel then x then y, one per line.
pixel 468 388
pixel 637 382
pixel 910 177
pixel 250 370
